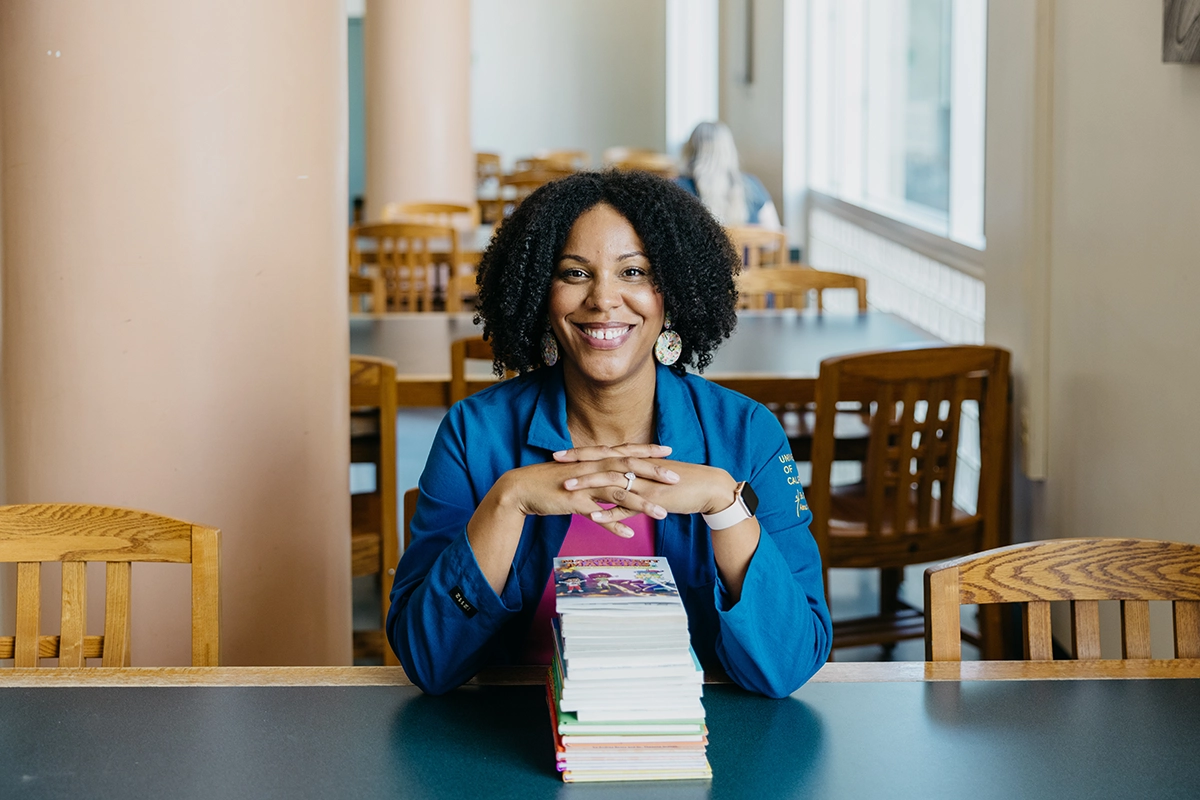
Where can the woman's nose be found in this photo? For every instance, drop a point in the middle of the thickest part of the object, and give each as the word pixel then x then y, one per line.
pixel 605 294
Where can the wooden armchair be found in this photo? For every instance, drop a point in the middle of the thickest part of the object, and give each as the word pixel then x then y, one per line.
pixel 758 246
pixel 903 511
pixel 374 534
pixel 76 534
pixel 407 257
pixel 1081 571
pixel 789 287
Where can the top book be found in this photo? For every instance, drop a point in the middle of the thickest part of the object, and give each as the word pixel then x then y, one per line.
pixel 594 581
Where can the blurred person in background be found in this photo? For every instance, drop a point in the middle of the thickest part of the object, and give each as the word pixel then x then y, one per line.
pixel 710 171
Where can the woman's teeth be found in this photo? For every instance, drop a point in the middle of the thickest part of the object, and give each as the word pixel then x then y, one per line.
pixel 605 333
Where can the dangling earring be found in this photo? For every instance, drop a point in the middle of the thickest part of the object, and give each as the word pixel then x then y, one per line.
pixel 669 347
pixel 549 348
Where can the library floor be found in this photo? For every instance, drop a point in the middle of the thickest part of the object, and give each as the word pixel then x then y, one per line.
pixel 853 593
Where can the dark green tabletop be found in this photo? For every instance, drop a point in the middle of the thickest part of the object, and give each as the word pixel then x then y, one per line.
pixel 982 739
pixel 774 343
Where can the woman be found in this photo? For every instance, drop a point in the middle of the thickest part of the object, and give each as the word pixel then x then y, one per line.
pixel 711 172
pixel 599 289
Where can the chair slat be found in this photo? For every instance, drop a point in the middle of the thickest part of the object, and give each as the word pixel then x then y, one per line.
pixel 904 456
pixel 877 457
pixel 206 599
pixel 1085 629
pixel 1038 642
pixel 74 614
pixel 93 646
pixel 1187 629
pixel 116 615
pixel 29 600
pixel 953 428
pixel 1135 629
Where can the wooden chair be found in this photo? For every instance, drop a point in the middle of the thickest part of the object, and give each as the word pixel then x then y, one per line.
pixel 374 534
pixel 368 286
pixel 758 246
pixel 1080 571
pixel 567 159
pixel 660 164
pixel 614 155
pixel 463 287
pixel 76 534
pixel 410 510
pixel 407 256
pixel 457 215
pixel 516 187
pixel 903 511
pixel 487 186
pixel 788 287
pixel 472 347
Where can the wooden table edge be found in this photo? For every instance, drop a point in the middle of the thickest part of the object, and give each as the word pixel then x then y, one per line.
pixel 835 672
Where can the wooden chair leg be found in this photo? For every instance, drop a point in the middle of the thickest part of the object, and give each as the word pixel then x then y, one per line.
pixel 890 579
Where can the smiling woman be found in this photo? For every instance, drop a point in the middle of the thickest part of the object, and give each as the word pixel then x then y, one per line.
pixel 600 289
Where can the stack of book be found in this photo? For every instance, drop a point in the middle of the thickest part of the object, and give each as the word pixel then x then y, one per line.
pixel 624 687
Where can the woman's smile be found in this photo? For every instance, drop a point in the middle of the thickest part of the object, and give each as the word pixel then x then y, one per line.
pixel 605 336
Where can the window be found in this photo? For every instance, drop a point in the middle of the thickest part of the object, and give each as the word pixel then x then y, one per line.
pixel 896 94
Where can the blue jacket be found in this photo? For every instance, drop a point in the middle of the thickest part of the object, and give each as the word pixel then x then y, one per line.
pixel 446 622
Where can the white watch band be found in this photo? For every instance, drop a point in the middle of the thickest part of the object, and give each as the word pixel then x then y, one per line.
pixel 728 517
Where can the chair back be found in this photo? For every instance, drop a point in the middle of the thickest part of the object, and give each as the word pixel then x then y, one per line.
pixel 516 187
pixel 758 246
pixel 408 257
pixel 410 510
pixel 31 535
pixel 374 532
pixel 456 215
pixel 914 399
pixel 472 347
pixel 788 287
pixel 487 186
pixel 659 164
pixel 1081 571
pixel 566 159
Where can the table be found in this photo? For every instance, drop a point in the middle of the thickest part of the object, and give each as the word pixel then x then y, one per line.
pixel 983 730
pixel 786 347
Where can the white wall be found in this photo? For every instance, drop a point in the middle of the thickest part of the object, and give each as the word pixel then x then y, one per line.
pixel 1117 270
pixel 567 74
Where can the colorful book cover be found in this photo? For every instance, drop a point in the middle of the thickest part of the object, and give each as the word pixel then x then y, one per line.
pixel 613 579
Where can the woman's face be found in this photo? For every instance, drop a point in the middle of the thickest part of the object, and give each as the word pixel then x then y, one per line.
pixel 604 308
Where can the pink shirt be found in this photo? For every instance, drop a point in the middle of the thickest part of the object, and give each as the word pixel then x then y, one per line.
pixel 584 538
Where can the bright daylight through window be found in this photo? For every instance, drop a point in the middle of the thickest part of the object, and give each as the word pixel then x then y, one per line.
pixel 897 109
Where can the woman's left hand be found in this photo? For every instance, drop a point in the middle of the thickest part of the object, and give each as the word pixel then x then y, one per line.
pixel 700 489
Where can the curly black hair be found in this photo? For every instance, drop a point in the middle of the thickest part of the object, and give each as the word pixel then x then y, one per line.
pixel 692 263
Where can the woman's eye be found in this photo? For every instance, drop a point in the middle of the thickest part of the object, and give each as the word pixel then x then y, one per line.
pixel 571 273
pixel 637 272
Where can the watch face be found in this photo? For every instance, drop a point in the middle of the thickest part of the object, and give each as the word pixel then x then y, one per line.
pixel 749 497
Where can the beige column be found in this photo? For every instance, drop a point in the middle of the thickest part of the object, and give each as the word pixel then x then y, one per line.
pixel 174 325
pixel 417 68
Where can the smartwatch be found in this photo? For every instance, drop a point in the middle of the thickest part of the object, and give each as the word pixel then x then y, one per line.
pixel 745 502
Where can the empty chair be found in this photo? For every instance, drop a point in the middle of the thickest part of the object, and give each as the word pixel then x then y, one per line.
pixel 568 159
pixel 788 287
pixel 1080 571
pixel 462 288
pixel 463 217
pixel 374 534
pixel 758 246
pixel 660 164
pixel 487 186
pixel 516 187
pixel 407 256
pixel 903 511
pixel 31 535
pixel 472 347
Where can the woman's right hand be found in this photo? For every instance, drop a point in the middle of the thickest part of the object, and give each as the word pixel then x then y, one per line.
pixel 551 488
pixel 545 489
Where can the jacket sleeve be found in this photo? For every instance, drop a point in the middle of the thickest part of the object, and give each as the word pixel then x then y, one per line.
pixel 779 633
pixel 444 614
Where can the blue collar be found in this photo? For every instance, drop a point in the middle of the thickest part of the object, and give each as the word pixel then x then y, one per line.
pixel 678 425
